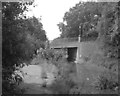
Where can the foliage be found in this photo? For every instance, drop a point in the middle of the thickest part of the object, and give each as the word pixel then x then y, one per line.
pixel 89 17
pixel 101 20
pixel 109 34
pixel 50 55
pixel 11 79
pixel 107 80
pixel 63 83
pixel 96 20
pixel 56 57
pixel 62 86
pixel 9 86
pixel 21 37
pixel 83 15
pixel 9 89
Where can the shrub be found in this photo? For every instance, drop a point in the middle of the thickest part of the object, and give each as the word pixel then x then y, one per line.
pixel 75 90
pixel 11 80
pixel 111 64
pixel 107 80
pixel 50 56
pixel 62 85
pixel 9 86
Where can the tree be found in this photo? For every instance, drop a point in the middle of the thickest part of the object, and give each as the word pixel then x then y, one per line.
pixel 10 11
pixel 111 30
pixel 82 14
pixel 99 20
pixel 21 38
pixel 94 17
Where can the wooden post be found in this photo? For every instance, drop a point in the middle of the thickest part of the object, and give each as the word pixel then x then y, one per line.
pixel 79 38
pixel 80 32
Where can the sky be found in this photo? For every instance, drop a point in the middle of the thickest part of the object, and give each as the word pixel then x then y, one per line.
pixel 51 13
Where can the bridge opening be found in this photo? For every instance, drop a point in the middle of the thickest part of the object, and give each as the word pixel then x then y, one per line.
pixel 72 52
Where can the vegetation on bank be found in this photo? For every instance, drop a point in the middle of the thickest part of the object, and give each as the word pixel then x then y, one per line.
pixel 97 20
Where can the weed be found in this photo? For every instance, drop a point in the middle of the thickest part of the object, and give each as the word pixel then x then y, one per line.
pixel 107 80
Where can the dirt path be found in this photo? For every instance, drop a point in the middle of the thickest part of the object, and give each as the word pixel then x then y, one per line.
pixel 33 79
pixel 34 89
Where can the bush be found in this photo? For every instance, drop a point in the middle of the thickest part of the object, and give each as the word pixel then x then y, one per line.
pixel 75 90
pixel 10 87
pixel 11 78
pixel 111 64
pixel 50 56
pixel 107 80
pixel 62 85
